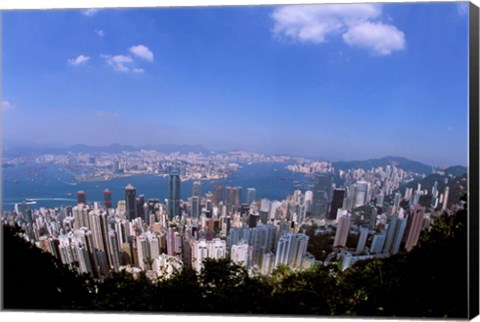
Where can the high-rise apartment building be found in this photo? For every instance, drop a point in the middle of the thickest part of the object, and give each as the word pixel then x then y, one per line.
pixel 291 248
pixel 361 192
pixel 395 232
pixel 343 227
pixel 445 198
pixel 415 227
pixel 202 249
pixel 362 240
pixel 239 254
pixel 378 241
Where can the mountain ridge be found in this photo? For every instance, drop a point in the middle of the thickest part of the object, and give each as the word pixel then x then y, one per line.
pixel 400 162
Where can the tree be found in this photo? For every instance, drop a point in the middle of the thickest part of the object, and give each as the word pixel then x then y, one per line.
pixel 35 280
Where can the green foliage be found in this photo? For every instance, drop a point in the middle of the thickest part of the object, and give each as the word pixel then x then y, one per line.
pixel 318 245
pixel 36 280
pixel 429 281
pixel 457 185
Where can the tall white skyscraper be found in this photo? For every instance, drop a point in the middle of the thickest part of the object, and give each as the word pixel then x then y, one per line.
pixel 343 228
pixel 377 242
pixel 202 249
pixel 445 198
pixel 291 249
pixel 199 253
pixel 396 230
pixel 362 240
pixel 361 192
pixel 239 254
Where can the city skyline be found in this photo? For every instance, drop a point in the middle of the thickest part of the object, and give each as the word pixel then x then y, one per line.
pixel 270 79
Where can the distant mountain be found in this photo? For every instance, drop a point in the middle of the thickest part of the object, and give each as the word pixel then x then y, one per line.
pixel 456 171
pixel 399 162
pixel 112 148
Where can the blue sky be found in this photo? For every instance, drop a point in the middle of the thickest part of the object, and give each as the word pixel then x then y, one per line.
pixel 337 82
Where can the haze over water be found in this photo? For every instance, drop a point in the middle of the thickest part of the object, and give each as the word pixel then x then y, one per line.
pixel 55 187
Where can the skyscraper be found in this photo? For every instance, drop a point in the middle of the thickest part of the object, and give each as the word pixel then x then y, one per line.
pixel 202 249
pixel 291 248
pixel 238 196
pixel 107 198
pixel 131 202
pixel 337 203
pixel 415 227
pixel 174 195
pixel 196 189
pixel 361 191
pixel 218 194
pixel 233 198
pixel 321 195
pixel 401 225
pixel 445 198
pixel 362 240
pixel 343 228
pixel 251 195
pixel 377 242
pixel 392 226
pixel 239 254
pixel 195 213
pixel 396 230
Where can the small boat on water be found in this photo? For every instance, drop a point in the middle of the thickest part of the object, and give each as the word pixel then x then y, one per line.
pixel 29 201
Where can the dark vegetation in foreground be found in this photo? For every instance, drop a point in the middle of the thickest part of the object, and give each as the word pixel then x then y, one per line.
pixel 430 281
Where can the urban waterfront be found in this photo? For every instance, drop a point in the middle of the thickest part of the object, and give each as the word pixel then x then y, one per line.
pixel 56 187
pixel 299 159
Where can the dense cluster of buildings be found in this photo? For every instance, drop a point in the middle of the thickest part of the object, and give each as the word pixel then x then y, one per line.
pixel 259 234
pixel 97 166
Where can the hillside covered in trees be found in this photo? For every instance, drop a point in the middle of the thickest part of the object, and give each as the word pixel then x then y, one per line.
pixel 429 281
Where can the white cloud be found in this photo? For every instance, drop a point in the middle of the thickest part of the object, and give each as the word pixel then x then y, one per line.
pixel 142 52
pixel 90 12
pixel 6 105
pixel 78 60
pixel 119 62
pixel 312 23
pixel 100 33
pixel 316 23
pixel 381 39
pixel 125 63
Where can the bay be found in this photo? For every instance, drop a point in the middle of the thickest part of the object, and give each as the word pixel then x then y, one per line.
pixel 51 186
